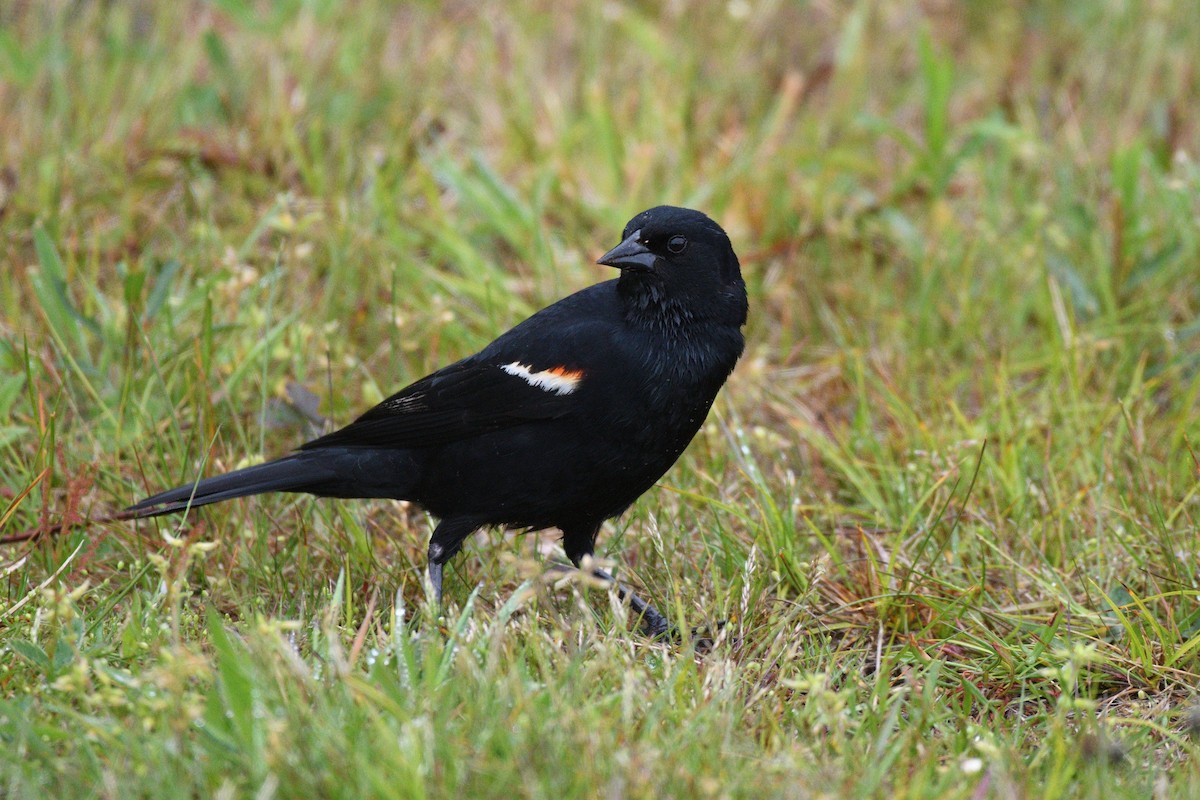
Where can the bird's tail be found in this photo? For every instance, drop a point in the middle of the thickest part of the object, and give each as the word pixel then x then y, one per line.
pixel 288 474
pixel 329 472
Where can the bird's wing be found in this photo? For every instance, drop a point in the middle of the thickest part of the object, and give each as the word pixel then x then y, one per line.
pixel 465 399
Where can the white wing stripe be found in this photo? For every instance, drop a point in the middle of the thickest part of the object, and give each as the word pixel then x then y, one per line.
pixel 556 379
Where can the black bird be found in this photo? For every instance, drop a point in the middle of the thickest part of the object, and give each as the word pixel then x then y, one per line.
pixel 562 422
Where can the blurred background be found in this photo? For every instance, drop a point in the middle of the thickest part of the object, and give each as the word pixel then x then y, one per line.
pixel 959 449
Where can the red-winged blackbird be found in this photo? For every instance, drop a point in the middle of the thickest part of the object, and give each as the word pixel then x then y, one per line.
pixel 562 422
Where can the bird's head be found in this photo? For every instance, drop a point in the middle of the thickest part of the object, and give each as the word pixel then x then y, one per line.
pixel 679 257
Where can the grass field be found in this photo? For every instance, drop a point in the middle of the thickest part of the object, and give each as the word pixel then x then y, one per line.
pixel 948 502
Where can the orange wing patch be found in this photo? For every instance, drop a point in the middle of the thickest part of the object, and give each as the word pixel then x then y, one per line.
pixel 559 380
pixel 566 374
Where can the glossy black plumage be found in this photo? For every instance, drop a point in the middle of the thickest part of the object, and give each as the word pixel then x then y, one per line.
pixel 562 422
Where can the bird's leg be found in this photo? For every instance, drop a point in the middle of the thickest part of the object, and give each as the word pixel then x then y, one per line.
pixel 447 540
pixel 580 543
pixel 435 577
pixel 654 623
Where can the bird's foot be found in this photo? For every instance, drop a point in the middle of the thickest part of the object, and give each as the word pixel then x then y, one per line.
pixel 650 620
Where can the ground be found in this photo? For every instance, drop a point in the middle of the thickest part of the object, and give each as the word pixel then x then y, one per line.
pixel 946 505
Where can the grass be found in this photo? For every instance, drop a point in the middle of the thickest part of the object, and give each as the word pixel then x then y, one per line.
pixel 947 503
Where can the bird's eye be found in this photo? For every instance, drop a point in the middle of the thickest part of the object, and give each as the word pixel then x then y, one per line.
pixel 677 244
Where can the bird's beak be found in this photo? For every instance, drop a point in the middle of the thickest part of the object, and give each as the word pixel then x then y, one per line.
pixel 630 254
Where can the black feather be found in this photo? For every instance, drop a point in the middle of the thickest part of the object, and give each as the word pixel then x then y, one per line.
pixel 491 440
